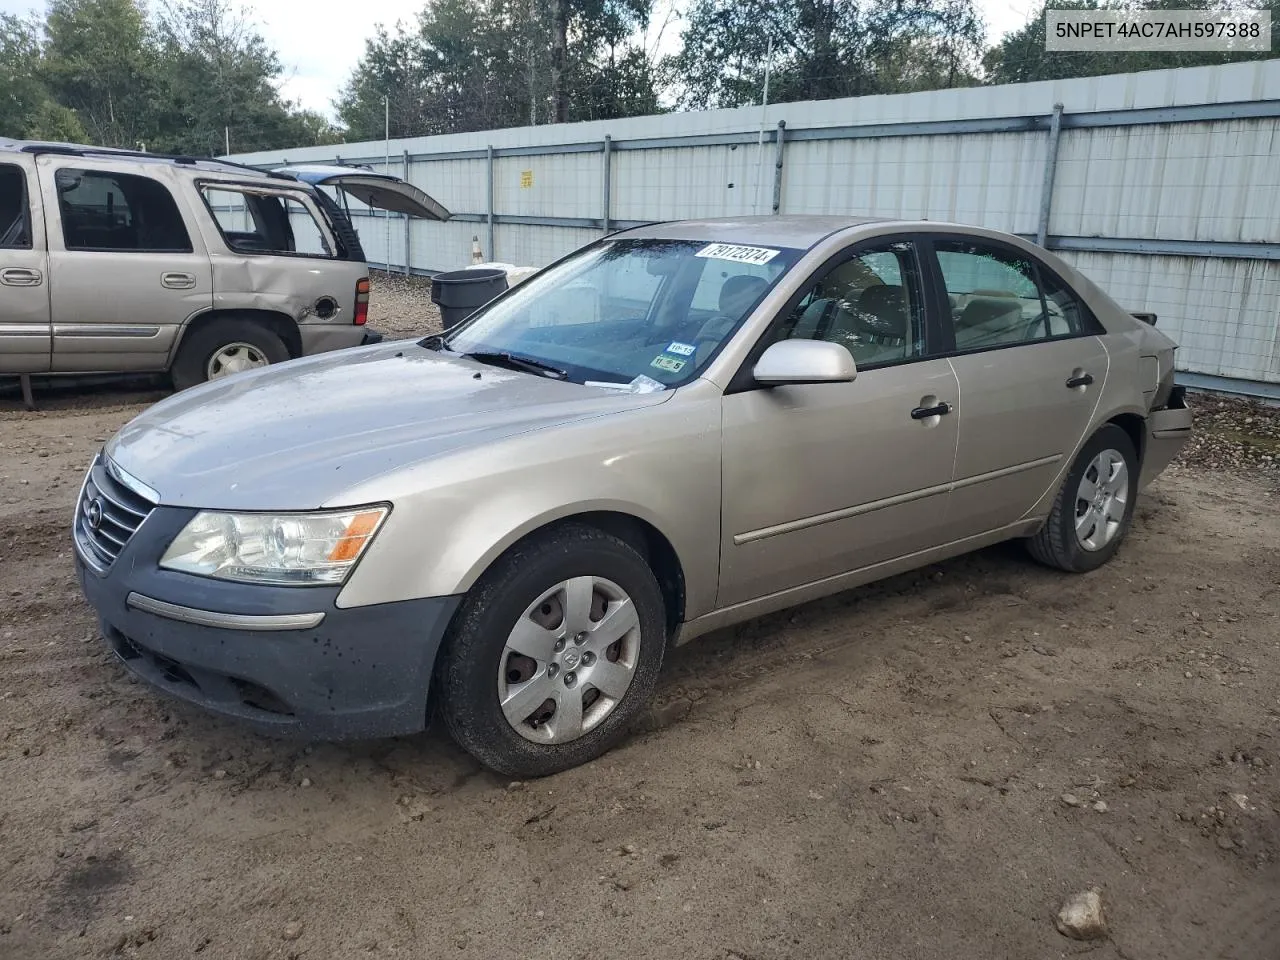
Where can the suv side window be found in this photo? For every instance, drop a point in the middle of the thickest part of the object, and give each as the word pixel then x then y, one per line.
pixel 265 223
pixel 106 211
pixel 999 298
pixel 15 214
pixel 872 303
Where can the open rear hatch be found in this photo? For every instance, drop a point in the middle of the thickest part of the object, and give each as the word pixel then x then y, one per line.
pixel 374 189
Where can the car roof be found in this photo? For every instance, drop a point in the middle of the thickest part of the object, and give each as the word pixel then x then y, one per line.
pixel 786 230
pixel 8 145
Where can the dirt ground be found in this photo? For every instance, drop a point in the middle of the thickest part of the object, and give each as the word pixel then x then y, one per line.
pixel 924 768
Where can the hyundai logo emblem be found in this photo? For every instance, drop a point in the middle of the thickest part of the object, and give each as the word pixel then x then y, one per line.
pixel 93 513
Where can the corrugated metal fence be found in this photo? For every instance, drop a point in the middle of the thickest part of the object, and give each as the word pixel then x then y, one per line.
pixel 1164 187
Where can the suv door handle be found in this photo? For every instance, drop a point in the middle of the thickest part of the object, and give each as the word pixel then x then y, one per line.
pixel 938 410
pixel 21 277
pixel 1079 380
pixel 178 281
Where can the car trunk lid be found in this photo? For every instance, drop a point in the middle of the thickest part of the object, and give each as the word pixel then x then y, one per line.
pixel 378 190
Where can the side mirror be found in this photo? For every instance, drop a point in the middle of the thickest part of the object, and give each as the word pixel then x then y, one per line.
pixel 805 361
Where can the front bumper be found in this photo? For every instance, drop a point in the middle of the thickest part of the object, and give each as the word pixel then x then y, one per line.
pixel 255 652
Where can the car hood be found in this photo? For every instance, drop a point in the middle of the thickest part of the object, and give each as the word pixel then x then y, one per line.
pixel 295 436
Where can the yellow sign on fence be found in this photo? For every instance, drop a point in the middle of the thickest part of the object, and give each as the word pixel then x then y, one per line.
pixel 526 179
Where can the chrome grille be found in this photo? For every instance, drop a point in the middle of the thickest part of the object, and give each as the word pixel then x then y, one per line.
pixel 107 515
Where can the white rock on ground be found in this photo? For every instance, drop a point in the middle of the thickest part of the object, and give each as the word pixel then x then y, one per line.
pixel 1082 916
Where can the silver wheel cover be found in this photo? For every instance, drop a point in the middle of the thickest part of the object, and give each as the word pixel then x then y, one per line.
pixel 234 358
pixel 569 660
pixel 1102 500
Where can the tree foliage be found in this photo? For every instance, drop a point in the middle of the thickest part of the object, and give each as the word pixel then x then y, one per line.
pixel 185 81
pixel 1021 56
pixel 820 49
pixel 479 64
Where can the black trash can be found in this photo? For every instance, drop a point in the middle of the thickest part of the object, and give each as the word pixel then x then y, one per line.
pixel 459 293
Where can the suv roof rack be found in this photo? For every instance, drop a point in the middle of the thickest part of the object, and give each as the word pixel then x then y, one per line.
pixel 68 150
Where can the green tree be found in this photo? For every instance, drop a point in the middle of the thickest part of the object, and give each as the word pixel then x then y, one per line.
pixel 823 49
pixel 1020 57
pixel 97 60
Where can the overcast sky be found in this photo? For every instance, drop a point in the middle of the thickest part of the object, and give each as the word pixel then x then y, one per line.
pixel 319 41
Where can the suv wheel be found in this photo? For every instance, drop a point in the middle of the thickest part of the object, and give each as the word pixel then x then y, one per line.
pixel 554 653
pixel 223 347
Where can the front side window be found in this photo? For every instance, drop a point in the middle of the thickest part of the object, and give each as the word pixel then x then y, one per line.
pixel 998 298
pixel 15 215
pixel 107 211
pixel 265 222
pixel 871 304
pixel 628 309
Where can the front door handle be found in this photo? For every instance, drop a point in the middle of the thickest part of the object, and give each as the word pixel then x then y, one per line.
pixel 178 281
pixel 21 277
pixel 1079 379
pixel 937 410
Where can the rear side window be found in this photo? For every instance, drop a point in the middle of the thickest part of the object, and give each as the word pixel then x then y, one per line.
pixel 1002 298
pixel 266 223
pixel 15 215
pixel 107 211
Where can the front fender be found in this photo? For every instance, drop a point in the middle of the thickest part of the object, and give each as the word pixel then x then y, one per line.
pixel 453 517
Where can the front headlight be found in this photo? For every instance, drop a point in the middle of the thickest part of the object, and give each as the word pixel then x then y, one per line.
pixel 285 548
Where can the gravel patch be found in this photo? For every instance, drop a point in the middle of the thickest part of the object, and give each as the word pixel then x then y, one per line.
pixel 1232 433
pixel 400 307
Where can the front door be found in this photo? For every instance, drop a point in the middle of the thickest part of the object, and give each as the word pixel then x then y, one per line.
pixel 1031 371
pixel 127 268
pixel 25 334
pixel 822 479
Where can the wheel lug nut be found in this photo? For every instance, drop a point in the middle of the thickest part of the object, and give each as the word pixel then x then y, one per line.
pixel 552 670
pixel 588 658
pixel 570 679
pixel 580 638
pixel 559 645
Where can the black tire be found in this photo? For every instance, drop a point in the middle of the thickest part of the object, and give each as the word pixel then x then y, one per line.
pixel 191 364
pixel 467 674
pixel 1057 544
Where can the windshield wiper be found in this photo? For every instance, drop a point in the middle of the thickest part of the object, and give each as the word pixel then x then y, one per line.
pixel 515 362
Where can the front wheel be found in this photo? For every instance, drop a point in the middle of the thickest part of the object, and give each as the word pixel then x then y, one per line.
pixel 555 652
pixel 1094 507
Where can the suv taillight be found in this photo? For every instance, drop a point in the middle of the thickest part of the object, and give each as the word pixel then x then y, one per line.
pixel 361 316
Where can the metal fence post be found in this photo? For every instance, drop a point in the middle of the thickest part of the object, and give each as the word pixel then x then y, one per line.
pixel 1050 168
pixel 407 222
pixel 777 165
pixel 608 182
pixel 489 212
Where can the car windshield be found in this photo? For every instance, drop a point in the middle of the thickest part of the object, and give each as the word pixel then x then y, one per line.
pixel 627 313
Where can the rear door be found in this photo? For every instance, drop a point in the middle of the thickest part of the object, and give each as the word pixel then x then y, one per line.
pixel 1030 369
pixel 822 479
pixel 25 334
pixel 127 266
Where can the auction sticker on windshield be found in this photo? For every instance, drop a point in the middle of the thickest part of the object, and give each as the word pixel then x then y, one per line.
pixel 736 253
pixel 670 364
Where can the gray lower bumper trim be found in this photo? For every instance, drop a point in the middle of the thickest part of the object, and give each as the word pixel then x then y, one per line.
pixel 226 621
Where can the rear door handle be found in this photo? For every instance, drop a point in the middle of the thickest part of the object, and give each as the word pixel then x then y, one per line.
pixel 21 277
pixel 1079 380
pixel 938 410
pixel 178 281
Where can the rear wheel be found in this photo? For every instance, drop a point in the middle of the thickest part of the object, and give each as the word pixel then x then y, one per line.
pixel 554 653
pixel 1093 509
pixel 223 347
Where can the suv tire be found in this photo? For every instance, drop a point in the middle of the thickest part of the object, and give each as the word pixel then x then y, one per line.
pixel 191 365
pixel 479 667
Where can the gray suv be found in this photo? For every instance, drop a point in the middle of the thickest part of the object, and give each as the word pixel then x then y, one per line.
pixel 121 262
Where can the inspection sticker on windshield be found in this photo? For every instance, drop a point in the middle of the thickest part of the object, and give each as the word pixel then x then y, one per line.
pixel 738 254
pixel 680 349
pixel 669 364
